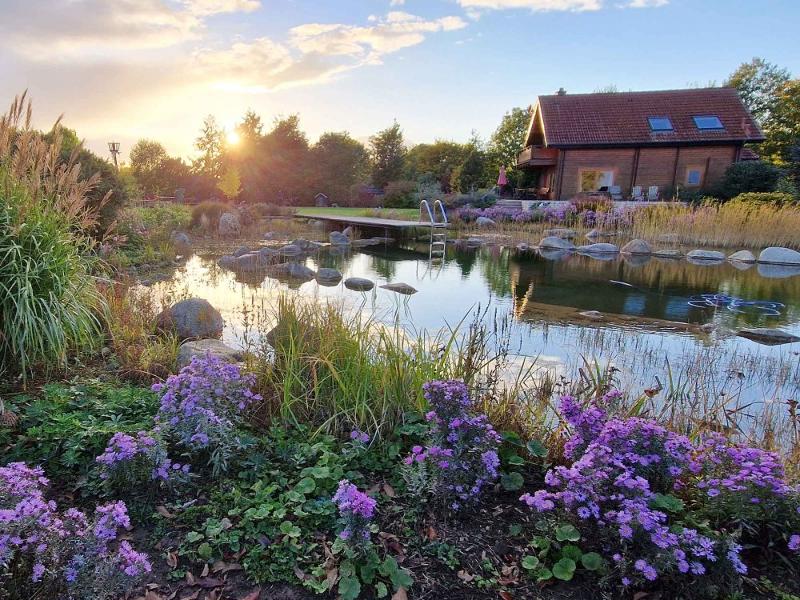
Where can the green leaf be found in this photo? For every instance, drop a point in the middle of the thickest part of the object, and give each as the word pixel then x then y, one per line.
pixel 515 459
pixel 381 591
pixel 544 574
pixel 514 530
pixel 306 485
pixel 571 551
pixel 567 533
pixel 204 550
pixel 349 588
pixel 530 562
pixel 194 536
pixel 667 502
pixel 592 561
pixel 564 569
pixel 536 448
pixel 512 481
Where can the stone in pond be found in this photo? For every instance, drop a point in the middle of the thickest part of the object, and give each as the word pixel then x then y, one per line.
pixel 229 225
pixel 241 251
pixel 292 270
pixel 775 255
pixel 705 257
pixel 306 245
pixel 337 238
pixel 637 247
pixel 601 248
pixel 328 277
pixel 556 243
pixel 192 318
pixel 768 337
pixel 348 231
pixel 358 284
pixel 593 315
pixel 216 348
pixel 744 256
pixel 400 288
pixel 667 253
pixel 250 262
pixel 227 261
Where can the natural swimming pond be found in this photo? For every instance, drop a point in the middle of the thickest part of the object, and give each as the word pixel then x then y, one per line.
pixel 659 318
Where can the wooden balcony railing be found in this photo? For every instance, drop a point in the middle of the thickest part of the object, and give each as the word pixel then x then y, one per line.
pixel 536 156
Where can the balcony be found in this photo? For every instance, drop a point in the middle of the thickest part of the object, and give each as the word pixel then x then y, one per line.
pixel 537 156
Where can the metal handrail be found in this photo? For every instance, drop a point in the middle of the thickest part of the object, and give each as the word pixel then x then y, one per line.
pixel 424 204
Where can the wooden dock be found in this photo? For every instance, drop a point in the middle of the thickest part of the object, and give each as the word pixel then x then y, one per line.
pixel 373 222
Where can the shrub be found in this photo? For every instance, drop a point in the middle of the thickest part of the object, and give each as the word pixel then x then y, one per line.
pixel 206 215
pixel 50 554
pixel 599 204
pixel 622 491
pixel 757 198
pixel 461 457
pixel 747 176
pixel 49 303
pixel 400 194
pixel 202 406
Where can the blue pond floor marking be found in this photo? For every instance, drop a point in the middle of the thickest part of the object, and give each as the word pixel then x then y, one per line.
pixel 737 305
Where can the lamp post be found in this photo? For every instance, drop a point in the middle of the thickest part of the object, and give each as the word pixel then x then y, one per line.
pixel 113 147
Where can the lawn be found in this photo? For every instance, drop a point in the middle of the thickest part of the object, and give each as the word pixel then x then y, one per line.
pixel 404 214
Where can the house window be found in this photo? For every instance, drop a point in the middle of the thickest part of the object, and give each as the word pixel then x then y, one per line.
pixel 694 176
pixel 660 123
pixel 595 179
pixel 708 122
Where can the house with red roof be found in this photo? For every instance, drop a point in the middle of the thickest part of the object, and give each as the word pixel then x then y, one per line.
pixel 624 142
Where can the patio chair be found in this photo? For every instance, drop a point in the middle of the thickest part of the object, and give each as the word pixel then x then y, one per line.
pixel 652 193
pixel 636 193
pixel 616 192
pixel 543 193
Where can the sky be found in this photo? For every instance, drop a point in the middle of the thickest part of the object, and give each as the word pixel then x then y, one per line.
pixel 123 70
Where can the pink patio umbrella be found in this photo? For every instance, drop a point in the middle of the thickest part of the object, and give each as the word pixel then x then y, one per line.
pixel 502 180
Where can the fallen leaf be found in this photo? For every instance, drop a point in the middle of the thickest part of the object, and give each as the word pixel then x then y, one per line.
pixel 152 586
pixel 172 559
pixel 193 596
pixel 190 578
pixel 464 576
pixel 226 523
pixel 221 566
pixel 299 573
pixel 430 533
pixel 254 595
pixel 162 510
pixel 204 572
pixel 640 595
pixel 331 575
pixel 389 490
pixel 373 488
pixel 210 582
pixel 400 594
pixel 151 595
pixel 505 595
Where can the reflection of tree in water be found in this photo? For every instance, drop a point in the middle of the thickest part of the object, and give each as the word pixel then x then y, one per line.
pixel 465 259
pixel 494 266
pixel 334 258
pixel 385 267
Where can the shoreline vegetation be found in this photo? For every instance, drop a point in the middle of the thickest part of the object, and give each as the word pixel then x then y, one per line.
pixel 340 457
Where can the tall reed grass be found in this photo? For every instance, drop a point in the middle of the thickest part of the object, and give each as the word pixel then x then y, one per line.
pixel 49 303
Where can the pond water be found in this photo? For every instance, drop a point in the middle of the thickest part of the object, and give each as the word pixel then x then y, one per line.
pixel 644 303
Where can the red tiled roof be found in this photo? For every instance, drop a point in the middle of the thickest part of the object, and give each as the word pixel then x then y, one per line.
pixel 622 118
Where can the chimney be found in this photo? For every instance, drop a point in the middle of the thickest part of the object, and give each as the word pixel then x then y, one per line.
pixel 561 92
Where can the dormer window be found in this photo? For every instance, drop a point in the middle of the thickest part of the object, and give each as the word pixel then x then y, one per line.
pixel 660 124
pixel 708 122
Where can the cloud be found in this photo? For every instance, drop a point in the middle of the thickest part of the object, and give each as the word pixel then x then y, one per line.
pixel 475 7
pixel 396 2
pixel 102 30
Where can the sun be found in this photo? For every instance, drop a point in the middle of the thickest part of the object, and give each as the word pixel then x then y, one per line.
pixel 233 138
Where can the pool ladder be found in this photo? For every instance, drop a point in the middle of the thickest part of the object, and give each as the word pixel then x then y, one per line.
pixel 438 240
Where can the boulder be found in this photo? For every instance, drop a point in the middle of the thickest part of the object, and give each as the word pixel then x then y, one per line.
pixel 601 248
pixel 484 222
pixel 348 231
pixel 592 315
pixel 229 225
pixel 337 238
pixel 292 270
pixel 227 261
pixel 768 337
pixel 637 247
pixel 566 234
pixel 193 318
pixel 290 250
pixel 474 242
pixel 775 255
pixel 250 262
pixel 705 256
pixel 400 288
pixel 241 251
pixel 556 243
pixel 267 253
pixel 328 277
pixel 210 347
pixel 180 238
pixel 594 233
pixel 744 256
pixel 306 245
pixel 358 284
pixel 666 253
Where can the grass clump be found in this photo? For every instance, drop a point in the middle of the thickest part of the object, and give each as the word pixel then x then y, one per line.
pixel 49 303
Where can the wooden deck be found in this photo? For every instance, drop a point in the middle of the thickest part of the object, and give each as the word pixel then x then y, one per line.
pixel 369 221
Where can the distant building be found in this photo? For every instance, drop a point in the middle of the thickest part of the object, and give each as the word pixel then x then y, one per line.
pixel 629 141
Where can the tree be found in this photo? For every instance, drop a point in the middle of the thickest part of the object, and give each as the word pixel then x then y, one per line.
pixel 471 174
pixel 147 157
pixel 230 183
pixel 250 129
pixel 339 162
pixel 388 152
pixel 782 128
pixel 506 143
pixel 758 83
pixel 283 156
pixel 210 144
pixel 438 160
pixel 747 176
